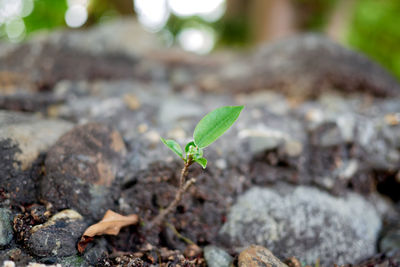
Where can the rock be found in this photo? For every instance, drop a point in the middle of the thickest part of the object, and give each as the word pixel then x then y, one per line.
pixel 258 256
pixel 217 257
pixel 58 236
pixel 303 222
pixel 6 230
pixel 129 38
pixel 302 66
pixel 16 255
pixel 97 252
pixel 81 169
pixel 73 261
pixel 390 241
pixel 274 131
pixel 31 134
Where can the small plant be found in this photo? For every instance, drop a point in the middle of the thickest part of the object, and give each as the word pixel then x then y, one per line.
pixel 209 129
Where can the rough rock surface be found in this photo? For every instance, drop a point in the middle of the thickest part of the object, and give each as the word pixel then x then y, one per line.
pixel 81 169
pixel 31 134
pixel 6 231
pixel 305 223
pixel 58 236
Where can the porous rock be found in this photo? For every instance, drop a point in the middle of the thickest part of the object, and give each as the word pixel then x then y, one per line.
pixel 81 169
pixel 58 236
pixel 303 222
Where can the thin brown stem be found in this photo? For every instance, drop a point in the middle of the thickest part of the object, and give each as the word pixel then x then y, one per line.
pixel 183 187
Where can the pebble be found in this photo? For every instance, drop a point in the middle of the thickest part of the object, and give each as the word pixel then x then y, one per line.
pixel 58 236
pixel 217 257
pixel 258 256
pixel 6 231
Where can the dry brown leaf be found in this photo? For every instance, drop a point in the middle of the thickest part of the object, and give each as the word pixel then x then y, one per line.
pixel 111 224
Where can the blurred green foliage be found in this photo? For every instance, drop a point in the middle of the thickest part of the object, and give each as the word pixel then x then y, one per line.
pixel 375 30
pixel 47 14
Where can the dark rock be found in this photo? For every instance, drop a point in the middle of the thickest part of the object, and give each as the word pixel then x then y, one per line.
pixel 96 252
pixel 58 236
pixel 54 63
pixel 73 261
pixel 302 66
pixel 390 240
pixel 304 222
pixel 6 231
pixel 16 255
pixel 14 183
pixel 258 256
pixel 22 138
pixel 81 169
pixel 39 102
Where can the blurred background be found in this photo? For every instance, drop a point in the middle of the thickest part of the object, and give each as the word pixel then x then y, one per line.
pixel 369 26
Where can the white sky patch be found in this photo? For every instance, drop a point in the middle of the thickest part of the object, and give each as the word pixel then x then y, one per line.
pixel 210 10
pixel 76 16
pixel 153 14
pixel 198 40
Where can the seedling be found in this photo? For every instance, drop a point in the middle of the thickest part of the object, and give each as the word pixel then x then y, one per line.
pixel 209 129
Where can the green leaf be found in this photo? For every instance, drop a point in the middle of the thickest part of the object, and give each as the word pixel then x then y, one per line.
pixel 201 161
pixel 215 124
pixel 187 147
pixel 174 146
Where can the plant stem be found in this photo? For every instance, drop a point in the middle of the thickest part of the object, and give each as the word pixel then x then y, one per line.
pixel 183 187
pixel 185 239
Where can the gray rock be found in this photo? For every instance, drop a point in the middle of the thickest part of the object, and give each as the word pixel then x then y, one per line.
pixel 31 134
pixel 217 257
pixel 258 256
pixel 58 236
pixel 6 230
pixel 304 222
pixel 81 169
pixel 271 132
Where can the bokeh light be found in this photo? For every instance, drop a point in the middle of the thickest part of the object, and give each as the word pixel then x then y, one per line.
pixel 76 14
pixel 153 14
pixel 11 22
pixel 210 10
pixel 198 40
